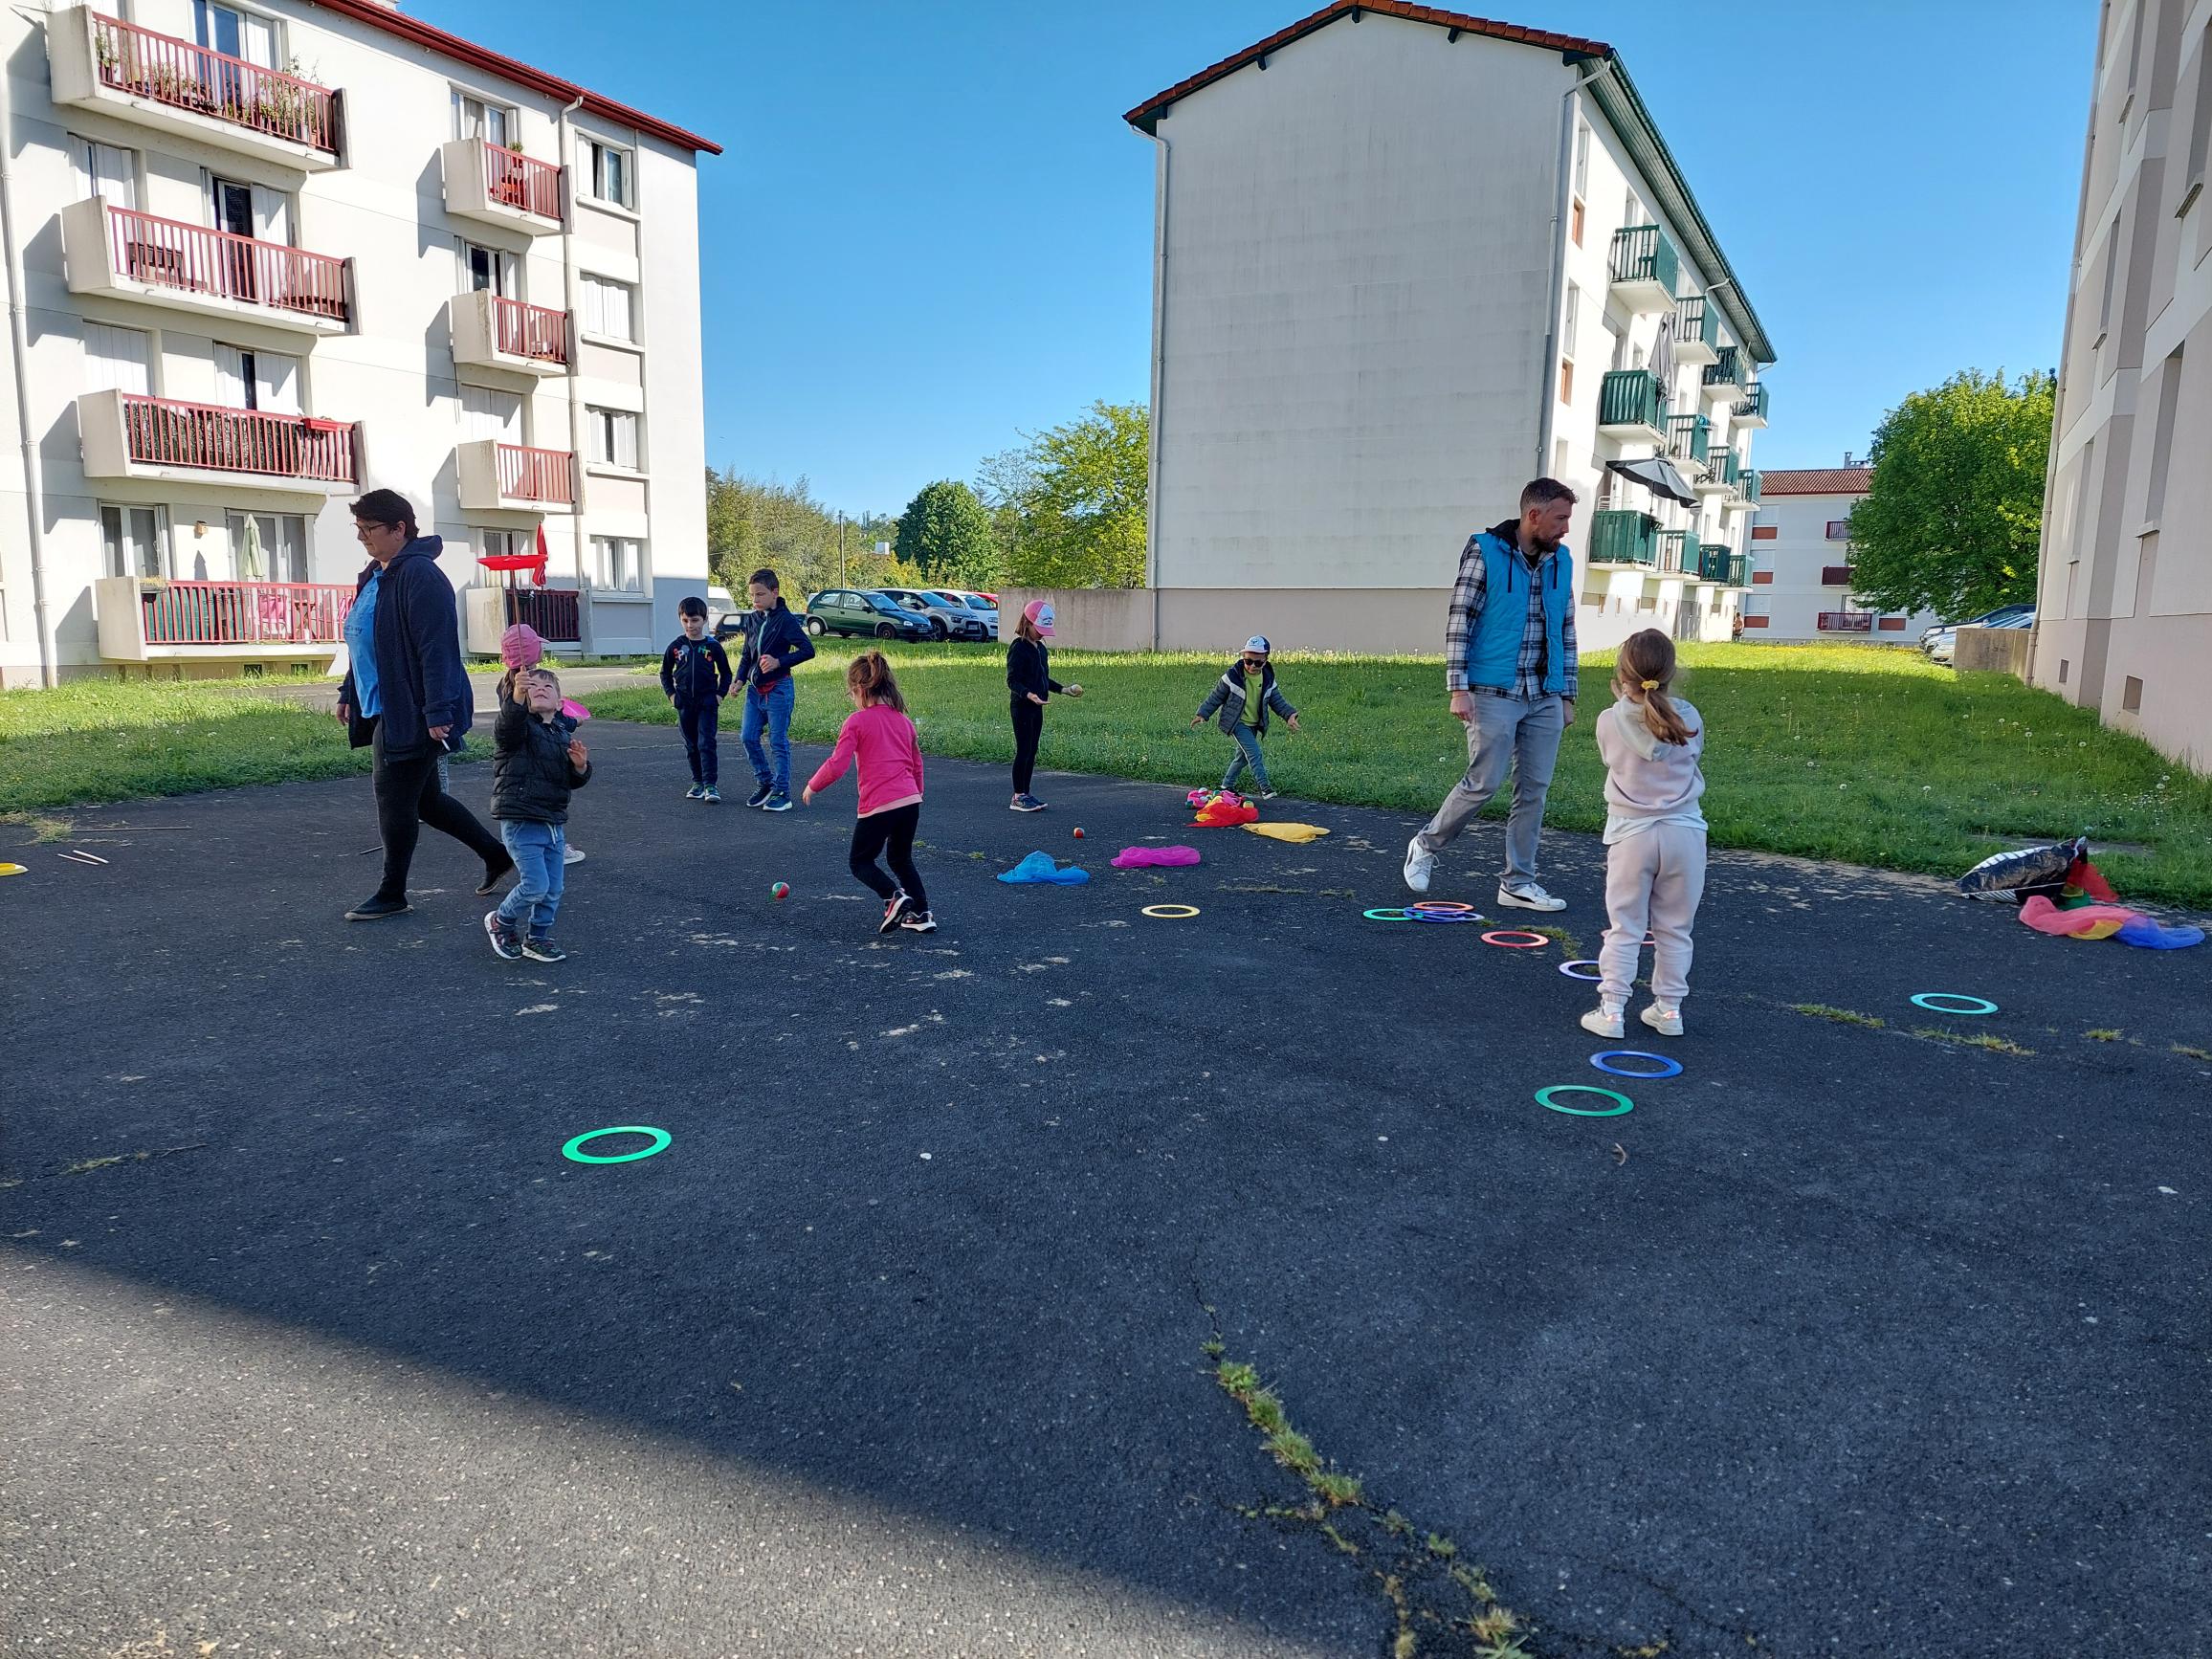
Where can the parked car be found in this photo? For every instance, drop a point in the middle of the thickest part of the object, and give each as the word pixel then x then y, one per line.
pixel 1945 645
pixel 982 605
pixel 848 610
pixel 1987 619
pixel 947 618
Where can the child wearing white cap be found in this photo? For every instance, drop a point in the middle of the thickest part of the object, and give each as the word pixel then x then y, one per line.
pixel 1030 682
pixel 1244 695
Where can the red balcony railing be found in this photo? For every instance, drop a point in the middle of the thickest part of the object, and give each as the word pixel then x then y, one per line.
pixel 192 257
pixel 515 180
pixel 535 476
pixel 245 614
pixel 1845 622
pixel 162 433
pixel 533 331
pixel 551 610
pixel 185 76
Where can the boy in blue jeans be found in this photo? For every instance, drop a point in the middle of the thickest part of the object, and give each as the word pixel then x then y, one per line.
pixel 1244 695
pixel 538 762
pixel 772 642
pixel 695 677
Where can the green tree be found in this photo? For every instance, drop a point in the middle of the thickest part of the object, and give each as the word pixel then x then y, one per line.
pixel 754 521
pixel 1953 517
pixel 1070 502
pixel 946 535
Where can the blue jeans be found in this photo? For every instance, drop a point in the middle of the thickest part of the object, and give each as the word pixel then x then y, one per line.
pixel 539 875
pixel 1248 754
pixel 698 720
pixel 772 712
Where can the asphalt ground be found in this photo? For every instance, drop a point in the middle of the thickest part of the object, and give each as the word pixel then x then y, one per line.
pixel 1843 1342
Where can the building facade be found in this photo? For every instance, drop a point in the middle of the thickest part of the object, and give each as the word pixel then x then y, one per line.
pixel 1405 261
pixel 1800 562
pixel 270 255
pixel 2124 592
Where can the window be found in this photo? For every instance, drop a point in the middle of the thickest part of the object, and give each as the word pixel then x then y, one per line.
pixel 618 562
pixel 501 544
pixel 2111 269
pixel 105 171
pixel 1839 530
pixel 1566 381
pixel 117 359
pixel 1571 323
pixel 260 380
pixel 609 308
pixel 490 414
pixel 478 118
pixel 134 541
pixel 1575 223
pixel 1582 158
pixel 268 546
pixel 249 210
pixel 1764 532
pixel 2131 696
pixel 2200 124
pixel 614 437
pixel 611 167
pixel 2063 666
pixel 237 34
pixel 2162 438
pixel 493 268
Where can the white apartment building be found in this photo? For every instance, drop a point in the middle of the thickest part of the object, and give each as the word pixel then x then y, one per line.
pixel 2124 595
pixel 1405 261
pixel 268 256
pixel 1800 561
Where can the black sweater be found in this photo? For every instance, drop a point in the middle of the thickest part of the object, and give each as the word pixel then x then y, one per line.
pixel 1030 669
pixel 695 672
pixel 531 777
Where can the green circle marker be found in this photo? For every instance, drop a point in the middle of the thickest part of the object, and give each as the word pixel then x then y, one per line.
pixel 1544 1100
pixel 660 1141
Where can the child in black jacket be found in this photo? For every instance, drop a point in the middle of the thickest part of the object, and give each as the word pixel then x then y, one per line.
pixel 1244 695
pixel 537 760
pixel 1030 682
pixel 695 674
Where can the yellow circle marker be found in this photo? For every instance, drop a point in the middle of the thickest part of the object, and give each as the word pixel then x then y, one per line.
pixel 1171 912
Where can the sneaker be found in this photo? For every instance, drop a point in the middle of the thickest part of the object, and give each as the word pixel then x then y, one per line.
pixel 571 854
pixel 895 909
pixel 494 875
pixel 377 909
pixel 504 944
pixel 1418 865
pixel 1667 1022
pixel 711 795
pixel 777 802
pixel 759 797
pixel 544 950
pixel 1025 803
pixel 1603 1022
pixel 696 792
pixel 1268 794
pixel 1528 896
pixel 918 922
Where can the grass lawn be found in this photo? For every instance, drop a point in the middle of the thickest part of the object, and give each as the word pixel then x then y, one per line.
pixel 1871 755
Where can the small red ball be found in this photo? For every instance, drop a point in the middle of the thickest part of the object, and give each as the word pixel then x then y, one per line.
pixel 1078 833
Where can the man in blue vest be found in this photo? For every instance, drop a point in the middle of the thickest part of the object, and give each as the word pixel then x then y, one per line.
pixel 1509 663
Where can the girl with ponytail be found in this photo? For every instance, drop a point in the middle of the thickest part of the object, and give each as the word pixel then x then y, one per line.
pixel 1651 742
pixel 878 734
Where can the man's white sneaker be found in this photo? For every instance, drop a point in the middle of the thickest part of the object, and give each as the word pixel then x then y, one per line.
pixel 1418 865
pixel 1667 1022
pixel 1603 1022
pixel 1528 896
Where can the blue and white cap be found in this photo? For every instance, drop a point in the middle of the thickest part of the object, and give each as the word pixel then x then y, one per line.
pixel 1258 646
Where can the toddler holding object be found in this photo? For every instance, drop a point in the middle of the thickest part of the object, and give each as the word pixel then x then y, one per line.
pixel 538 762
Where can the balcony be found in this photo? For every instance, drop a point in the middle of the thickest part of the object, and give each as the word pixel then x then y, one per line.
pixel 1632 405
pixel 128 436
pixel 501 186
pixel 1623 538
pixel 1712 559
pixel 1644 268
pixel 1740 570
pixel 127 256
pixel 1724 376
pixel 497 478
pixel 1696 330
pixel 1746 487
pixel 102 63
pixel 1688 439
pixel 150 621
pixel 1835 576
pixel 1750 408
pixel 1844 622
pixel 1720 473
pixel 490 332
pixel 1675 552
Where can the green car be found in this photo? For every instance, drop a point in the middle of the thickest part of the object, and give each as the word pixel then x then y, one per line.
pixel 847 611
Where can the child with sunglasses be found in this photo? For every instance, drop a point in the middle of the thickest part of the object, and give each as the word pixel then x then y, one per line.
pixel 1244 695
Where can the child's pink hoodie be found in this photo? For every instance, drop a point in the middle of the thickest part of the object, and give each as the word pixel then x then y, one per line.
pixel 890 759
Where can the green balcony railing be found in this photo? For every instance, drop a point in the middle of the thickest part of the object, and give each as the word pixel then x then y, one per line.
pixel 1712 559
pixel 1619 537
pixel 1675 553
pixel 1631 397
pixel 1642 254
pixel 1688 437
pixel 1747 484
pixel 1722 466
pixel 1728 370
pixel 1697 318
pixel 1752 404
pixel 1740 570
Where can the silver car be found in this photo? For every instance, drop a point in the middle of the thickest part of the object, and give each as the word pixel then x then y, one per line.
pixel 946 619
pixel 983 607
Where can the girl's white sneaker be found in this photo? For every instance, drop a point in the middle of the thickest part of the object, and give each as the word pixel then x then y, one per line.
pixel 1603 1022
pixel 1667 1022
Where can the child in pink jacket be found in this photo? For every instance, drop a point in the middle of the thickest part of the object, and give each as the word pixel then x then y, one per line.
pixel 879 734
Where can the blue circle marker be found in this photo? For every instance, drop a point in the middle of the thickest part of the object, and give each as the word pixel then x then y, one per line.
pixel 1674 1068
pixel 660 1144
pixel 1568 968
pixel 1544 1100
pixel 1930 1000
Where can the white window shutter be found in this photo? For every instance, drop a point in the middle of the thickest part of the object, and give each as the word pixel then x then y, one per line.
pixel 272 216
pixel 117 359
pixel 276 382
pixel 258 40
pixel 229 377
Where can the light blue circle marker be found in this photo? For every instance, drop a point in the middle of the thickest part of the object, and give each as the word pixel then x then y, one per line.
pixel 661 1142
pixel 1932 1001
pixel 1668 1067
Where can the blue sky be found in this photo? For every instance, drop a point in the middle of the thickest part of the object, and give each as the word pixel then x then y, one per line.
pixel 932 230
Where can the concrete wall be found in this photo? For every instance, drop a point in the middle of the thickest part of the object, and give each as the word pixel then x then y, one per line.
pixel 1992 650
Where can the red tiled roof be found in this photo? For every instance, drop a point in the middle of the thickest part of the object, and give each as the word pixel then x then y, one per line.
pixel 1816 482
pixel 1147 112
pixel 395 22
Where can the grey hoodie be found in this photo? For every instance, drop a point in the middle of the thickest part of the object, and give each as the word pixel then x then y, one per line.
pixel 1650 781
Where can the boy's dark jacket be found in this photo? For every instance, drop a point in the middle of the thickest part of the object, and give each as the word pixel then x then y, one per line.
pixel 776 633
pixel 420 679
pixel 1228 697
pixel 531 775
pixel 695 672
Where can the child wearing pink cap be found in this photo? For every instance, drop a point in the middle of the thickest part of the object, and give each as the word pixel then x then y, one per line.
pixel 1030 683
pixel 523 647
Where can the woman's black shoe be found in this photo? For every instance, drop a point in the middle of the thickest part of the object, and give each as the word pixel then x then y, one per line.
pixel 377 909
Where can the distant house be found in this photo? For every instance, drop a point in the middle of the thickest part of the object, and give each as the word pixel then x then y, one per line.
pixel 1800 562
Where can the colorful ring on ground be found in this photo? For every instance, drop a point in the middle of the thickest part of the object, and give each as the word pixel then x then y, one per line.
pixel 1171 912
pixel 1568 968
pixel 1444 906
pixel 1387 913
pixel 1673 1066
pixel 1649 939
pixel 662 1140
pixel 1544 1100
pixel 1929 999
pixel 1505 938
pixel 1413 915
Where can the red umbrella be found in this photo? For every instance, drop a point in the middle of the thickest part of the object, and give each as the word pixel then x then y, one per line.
pixel 538 576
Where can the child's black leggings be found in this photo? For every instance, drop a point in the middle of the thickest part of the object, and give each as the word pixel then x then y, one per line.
pixel 890 835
